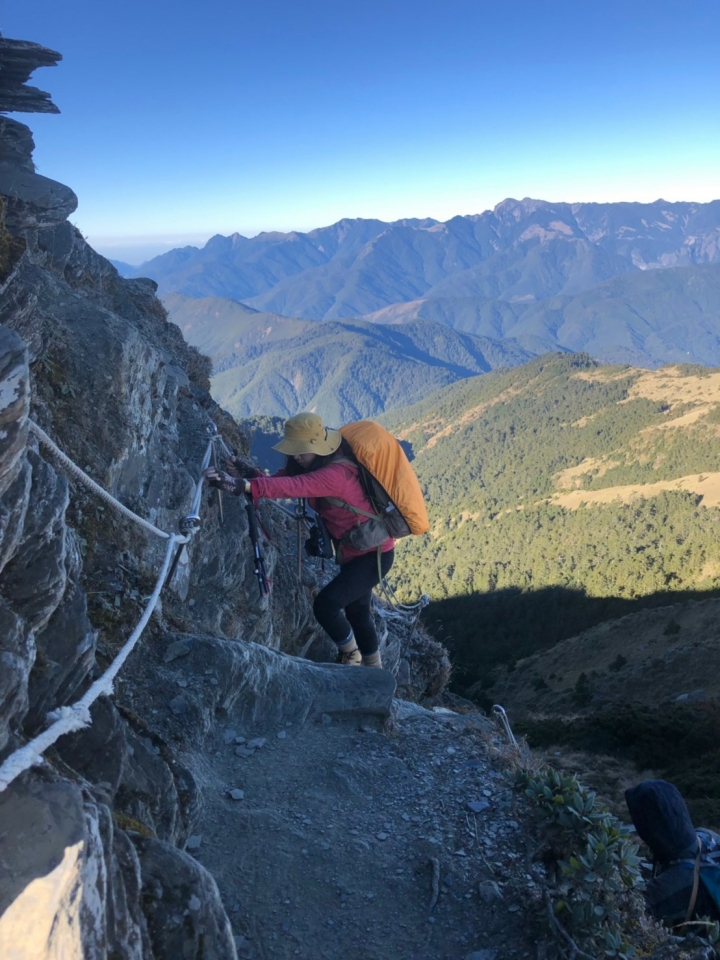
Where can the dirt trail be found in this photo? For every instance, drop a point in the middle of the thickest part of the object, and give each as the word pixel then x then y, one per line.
pixel 329 853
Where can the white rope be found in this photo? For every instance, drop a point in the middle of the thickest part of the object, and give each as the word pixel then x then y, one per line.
pixel 77 716
pixel 197 498
pixel 89 482
pixel 71 718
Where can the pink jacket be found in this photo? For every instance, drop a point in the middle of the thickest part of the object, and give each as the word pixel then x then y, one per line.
pixel 335 480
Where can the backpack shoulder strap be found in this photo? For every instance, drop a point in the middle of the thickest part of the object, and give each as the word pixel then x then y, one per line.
pixel 337 502
pixel 695 887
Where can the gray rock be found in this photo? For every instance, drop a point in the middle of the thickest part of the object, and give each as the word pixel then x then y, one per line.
pixel 173 883
pixel 403 673
pixel 237 794
pixel 179 706
pixel 34 580
pixel 14 406
pixel 181 648
pixel 66 654
pixel 17 651
pixel 281 735
pixel 477 806
pixel 71 883
pixel 193 843
pixel 34 201
pixel 407 710
pixel 262 689
pixel 489 891
pixel 138 780
pixel 244 752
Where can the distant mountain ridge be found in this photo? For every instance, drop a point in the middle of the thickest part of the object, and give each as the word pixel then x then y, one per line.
pixel 520 252
pixel 267 364
pixel 645 318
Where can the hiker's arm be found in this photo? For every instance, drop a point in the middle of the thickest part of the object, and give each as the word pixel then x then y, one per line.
pixel 230 482
pixel 329 481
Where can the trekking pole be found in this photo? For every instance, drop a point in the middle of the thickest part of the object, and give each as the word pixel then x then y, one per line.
pixel 219 491
pixel 263 582
pixel 300 516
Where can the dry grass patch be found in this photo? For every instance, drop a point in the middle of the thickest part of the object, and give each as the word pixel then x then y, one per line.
pixel 706 485
pixel 671 385
pixel 572 478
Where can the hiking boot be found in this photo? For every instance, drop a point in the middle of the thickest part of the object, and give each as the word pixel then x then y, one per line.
pixel 353 658
pixel 372 660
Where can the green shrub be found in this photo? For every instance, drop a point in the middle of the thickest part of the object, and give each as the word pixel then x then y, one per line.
pixel 596 867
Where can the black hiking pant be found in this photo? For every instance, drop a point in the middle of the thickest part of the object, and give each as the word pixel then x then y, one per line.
pixel 344 604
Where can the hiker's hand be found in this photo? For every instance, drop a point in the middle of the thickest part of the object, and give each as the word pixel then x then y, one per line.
pixel 240 467
pixel 223 481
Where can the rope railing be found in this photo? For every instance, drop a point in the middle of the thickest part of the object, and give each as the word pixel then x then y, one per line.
pixel 68 719
pixel 71 718
pixel 90 483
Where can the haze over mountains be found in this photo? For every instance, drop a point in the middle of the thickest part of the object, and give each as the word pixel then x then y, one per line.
pixel 521 251
pixel 627 282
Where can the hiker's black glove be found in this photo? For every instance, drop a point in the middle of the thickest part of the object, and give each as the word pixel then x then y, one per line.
pixel 223 481
pixel 240 467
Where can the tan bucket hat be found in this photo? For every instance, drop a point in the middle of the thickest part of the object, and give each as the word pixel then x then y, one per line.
pixel 306 433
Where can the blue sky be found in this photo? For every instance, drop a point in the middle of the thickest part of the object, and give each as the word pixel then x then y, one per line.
pixel 184 120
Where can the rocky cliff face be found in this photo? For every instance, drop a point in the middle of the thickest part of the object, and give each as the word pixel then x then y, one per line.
pixel 92 846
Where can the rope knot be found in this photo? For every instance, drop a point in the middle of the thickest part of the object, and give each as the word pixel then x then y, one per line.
pixel 76 716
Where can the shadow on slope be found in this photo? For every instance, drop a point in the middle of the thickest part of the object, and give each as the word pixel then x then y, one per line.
pixel 484 631
pixel 610 681
pixel 678 741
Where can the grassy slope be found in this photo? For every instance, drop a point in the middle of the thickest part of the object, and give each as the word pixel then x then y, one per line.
pixel 510 569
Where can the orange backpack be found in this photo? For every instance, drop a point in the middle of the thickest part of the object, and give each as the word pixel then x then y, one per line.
pixel 389 483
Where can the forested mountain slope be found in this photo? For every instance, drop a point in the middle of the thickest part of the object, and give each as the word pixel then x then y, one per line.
pixel 645 318
pixel 273 365
pixel 522 251
pixel 561 494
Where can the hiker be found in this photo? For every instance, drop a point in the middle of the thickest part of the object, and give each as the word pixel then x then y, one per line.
pixel 686 875
pixel 320 464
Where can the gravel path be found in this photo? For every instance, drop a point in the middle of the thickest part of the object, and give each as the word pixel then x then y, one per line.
pixel 341 834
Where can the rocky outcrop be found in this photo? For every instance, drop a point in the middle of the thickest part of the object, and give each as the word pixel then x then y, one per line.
pixel 19 59
pixel 93 860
